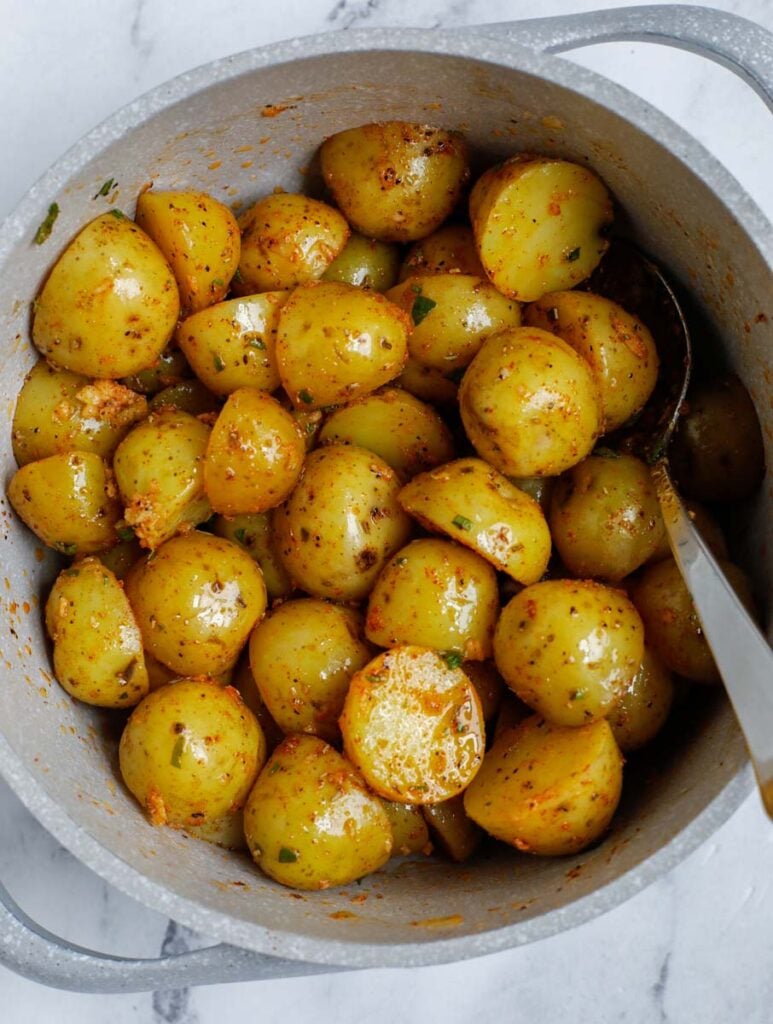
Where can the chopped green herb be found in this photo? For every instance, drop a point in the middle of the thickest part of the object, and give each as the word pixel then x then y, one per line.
pixel 177 751
pixel 67 549
pixel 305 397
pixel 287 856
pixel 275 767
pixel 45 228
pixel 125 533
pixel 374 679
pixel 219 364
pixel 217 282
pixel 118 214
pixel 572 255
pixel 606 453
pixel 257 343
pixel 237 275
pixel 106 187
pixel 462 522
pixel 452 658
pixel 240 534
pixel 422 307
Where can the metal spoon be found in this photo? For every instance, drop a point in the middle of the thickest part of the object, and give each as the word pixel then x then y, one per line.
pixel 742 654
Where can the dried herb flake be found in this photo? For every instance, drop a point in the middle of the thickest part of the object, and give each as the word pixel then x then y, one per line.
pixel 45 228
pixel 107 186
pixel 286 855
pixel 177 751
pixel 422 307
pixel 305 396
pixel 462 522
pixel 452 658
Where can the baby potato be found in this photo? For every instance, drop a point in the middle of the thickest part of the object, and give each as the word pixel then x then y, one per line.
pixel 452 316
pixel 490 688
pixel 476 506
pixel 512 711
pixel 97 646
pixel 407 434
pixel 159 675
pixel 409 829
pixel 110 304
pixel 311 822
pixel 226 832
pixel 169 368
pixel 244 681
pixel 366 263
pixel 395 181
pixel 529 403
pixel 199 237
pixel 287 240
pixel 302 656
pixel 449 250
pixel 605 516
pixel 122 556
pixel 58 411
pixel 341 524
pixel 434 593
pixel 718 453
pixel 413 725
pixel 335 341
pixel 569 649
pixel 426 384
pixel 617 346
pixel 69 501
pixel 673 627
pixel 458 836
pixel 254 533
pixel 254 455
pixel 196 600
pixel 706 525
pixel 232 344
pixel 645 705
pixel 159 469
pixel 538 487
pixel 548 789
pixel 539 225
pixel 190 753
pixel 188 396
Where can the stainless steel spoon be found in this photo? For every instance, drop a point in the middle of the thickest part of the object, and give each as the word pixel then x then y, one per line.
pixel 742 654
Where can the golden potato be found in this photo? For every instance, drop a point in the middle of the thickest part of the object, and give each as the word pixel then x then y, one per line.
pixel 171 367
pixel 449 250
pixel 409 829
pixel 427 384
pixel 196 599
pixel 452 316
pixel 122 556
pixel 569 649
pixel 254 533
pixel 529 403
pixel 287 240
pixel 187 396
pixel 512 711
pixel 539 225
pixel 226 832
pixel 110 304
pixel 434 593
pixel 490 687
pixel 244 681
pixel 617 346
pixel 413 725
pixel 302 656
pixel 365 263
pixel 538 487
pixel 605 516
pixel 407 434
pixel 254 455
pixel 458 836
pixel 706 525
pixel 199 237
pixel 58 411
pixel 548 789
pixel 232 344
pixel 310 821
pixel 341 524
pixel 190 753
pixel 476 506
pixel 335 342
pixel 69 501
pixel 645 705
pixel 97 646
pixel 159 469
pixel 395 181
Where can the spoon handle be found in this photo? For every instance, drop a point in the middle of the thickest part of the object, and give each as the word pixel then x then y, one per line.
pixel 742 654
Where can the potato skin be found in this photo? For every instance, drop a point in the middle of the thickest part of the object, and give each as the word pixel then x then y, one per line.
pixel 434 593
pixel 311 822
pixel 196 600
pixel 409 829
pixel 479 508
pixel 395 181
pixel 538 225
pixel 645 705
pixel 189 396
pixel 458 836
pixel 529 403
pixel 449 250
pixel 58 411
pixel 190 753
pixel 200 239
pixel 254 455
pixel 335 342
pixel 98 654
pixel 69 501
pixel 569 649
pixel 427 384
pixel 413 726
pixel 287 240
pixel 341 523
pixel 365 263
pixel 303 656
pixel 254 533
pixel 110 304
pixel 547 789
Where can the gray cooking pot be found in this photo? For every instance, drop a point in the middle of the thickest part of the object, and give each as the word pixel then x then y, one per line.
pixel 500 85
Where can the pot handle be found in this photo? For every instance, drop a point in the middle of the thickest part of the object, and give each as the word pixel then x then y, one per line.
pixel 30 950
pixel 736 43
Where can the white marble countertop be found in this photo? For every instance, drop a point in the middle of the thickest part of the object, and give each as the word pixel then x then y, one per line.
pixel 695 946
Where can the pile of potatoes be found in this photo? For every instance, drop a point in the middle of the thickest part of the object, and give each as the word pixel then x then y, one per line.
pixel 340 529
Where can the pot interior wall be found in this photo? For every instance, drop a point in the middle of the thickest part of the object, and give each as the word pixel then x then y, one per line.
pixel 241 139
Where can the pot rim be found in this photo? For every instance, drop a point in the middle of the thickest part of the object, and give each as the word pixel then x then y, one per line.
pixel 496 51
